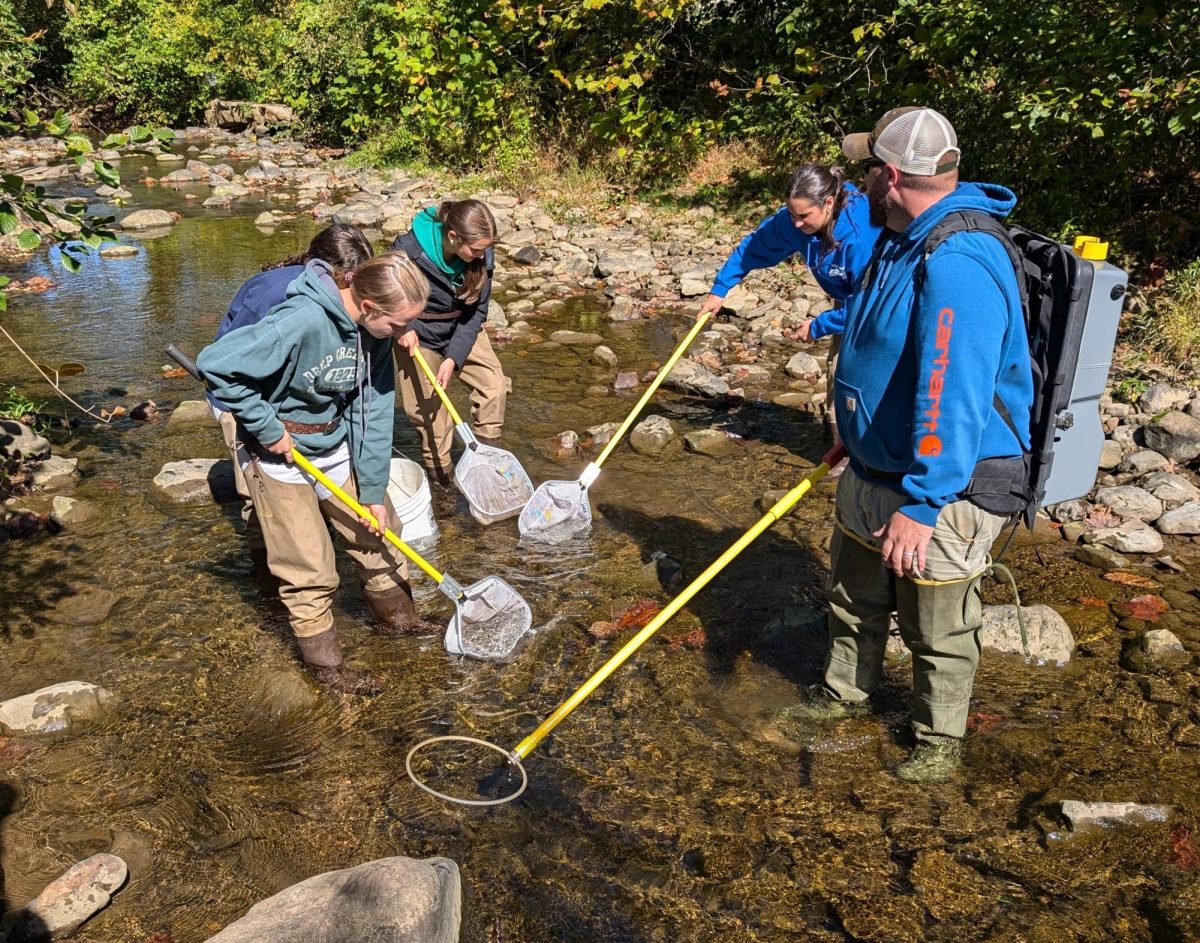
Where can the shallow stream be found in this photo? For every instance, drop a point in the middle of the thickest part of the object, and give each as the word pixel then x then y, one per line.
pixel 672 806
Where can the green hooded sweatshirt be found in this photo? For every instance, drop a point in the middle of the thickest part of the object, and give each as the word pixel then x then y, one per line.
pixel 428 230
pixel 308 362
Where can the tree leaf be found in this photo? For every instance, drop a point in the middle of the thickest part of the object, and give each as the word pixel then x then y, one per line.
pixel 108 174
pixel 69 262
pixel 29 239
pixel 71 369
pixel 8 221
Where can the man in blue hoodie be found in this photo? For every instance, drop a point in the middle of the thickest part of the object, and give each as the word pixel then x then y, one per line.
pixel 934 378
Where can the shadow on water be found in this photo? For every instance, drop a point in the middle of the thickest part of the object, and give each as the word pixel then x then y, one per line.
pixel 21 926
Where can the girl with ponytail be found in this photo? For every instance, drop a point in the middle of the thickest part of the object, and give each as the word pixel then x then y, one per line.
pixel 826 220
pixel 452 245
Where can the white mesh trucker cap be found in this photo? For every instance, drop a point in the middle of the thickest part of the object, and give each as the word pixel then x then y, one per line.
pixel 919 141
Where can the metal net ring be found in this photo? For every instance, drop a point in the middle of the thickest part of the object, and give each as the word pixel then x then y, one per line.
pixel 511 757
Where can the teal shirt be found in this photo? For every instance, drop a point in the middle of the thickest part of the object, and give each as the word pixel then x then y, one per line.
pixel 429 232
pixel 308 362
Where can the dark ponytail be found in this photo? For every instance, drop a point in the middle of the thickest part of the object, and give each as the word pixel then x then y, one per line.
pixel 816 183
pixel 472 222
pixel 340 244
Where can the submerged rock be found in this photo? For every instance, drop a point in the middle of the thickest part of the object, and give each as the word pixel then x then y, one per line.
pixel 708 442
pixel 54 708
pixel 1085 815
pixel 1158 648
pixel 189 411
pixel 575 337
pixel 1050 638
pixel 690 377
pixel 392 900
pixel 65 904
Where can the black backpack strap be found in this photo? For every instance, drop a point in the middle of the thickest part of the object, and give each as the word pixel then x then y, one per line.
pixel 978 221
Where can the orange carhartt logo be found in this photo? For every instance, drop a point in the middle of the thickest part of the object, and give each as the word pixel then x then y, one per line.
pixel 930 444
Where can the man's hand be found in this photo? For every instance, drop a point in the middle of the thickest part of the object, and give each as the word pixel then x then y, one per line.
pixel 445 373
pixel 409 341
pixel 379 512
pixel 283 447
pixel 904 545
pixel 711 305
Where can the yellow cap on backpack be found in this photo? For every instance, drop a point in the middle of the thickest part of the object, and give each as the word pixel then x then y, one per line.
pixel 1090 247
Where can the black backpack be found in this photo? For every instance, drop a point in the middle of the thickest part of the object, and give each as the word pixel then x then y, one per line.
pixel 1055 285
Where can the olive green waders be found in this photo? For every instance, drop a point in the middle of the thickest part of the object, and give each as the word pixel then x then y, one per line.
pixel 939 610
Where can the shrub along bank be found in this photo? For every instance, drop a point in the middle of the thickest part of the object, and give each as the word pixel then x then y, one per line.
pixel 1089 111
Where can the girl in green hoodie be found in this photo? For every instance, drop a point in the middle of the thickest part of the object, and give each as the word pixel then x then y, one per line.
pixel 315 374
pixel 452 245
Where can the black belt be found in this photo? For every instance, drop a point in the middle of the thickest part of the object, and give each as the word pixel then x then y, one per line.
pixel 883 475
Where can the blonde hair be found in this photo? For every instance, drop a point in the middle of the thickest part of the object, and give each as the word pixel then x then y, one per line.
pixel 472 221
pixel 389 281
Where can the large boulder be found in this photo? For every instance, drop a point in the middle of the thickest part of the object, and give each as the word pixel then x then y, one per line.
pixel 1131 502
pixel 392 900
pixel 621 262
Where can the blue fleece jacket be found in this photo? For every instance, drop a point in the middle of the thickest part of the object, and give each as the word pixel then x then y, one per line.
pixel 919 371
pixel 308 362
pixel 252 302
pixel 836 271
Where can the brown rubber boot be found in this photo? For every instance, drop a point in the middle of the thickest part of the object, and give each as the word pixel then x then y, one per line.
pixel 395 612
pixel 323 657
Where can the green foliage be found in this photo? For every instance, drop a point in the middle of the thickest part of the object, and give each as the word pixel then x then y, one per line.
pixel 18 52
pixel 16 405
pixel 1091 112
pixel 1170 327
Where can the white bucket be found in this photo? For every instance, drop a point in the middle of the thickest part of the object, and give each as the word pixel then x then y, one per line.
pixel 409 490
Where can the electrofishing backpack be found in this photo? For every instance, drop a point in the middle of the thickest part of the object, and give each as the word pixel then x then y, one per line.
pixel 1072 301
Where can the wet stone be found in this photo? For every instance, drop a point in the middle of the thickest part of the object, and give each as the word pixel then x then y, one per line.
pixel 190 411
pixel 53 708
pixel 121 250
pixel 708 442
pixel 604 356
pixel 197 479
pixel 626 381
pixel 802 365
pixel 69 511
pixel 601 434
pixel 1050 638
pixel 1103 558
pixel 55 472
pixel 651 435
pixel 66 903
pixel 689 377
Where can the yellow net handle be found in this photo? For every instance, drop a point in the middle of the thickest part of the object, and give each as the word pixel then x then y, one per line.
pixel 662 375
pixel 781 507
pixel 362 512
pixel 424 365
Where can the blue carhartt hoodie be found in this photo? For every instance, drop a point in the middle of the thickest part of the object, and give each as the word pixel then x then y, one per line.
pixel 836 270
pixel 919 371
pixel 308 362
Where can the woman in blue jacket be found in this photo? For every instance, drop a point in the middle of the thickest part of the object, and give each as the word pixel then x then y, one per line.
pixel 826 219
